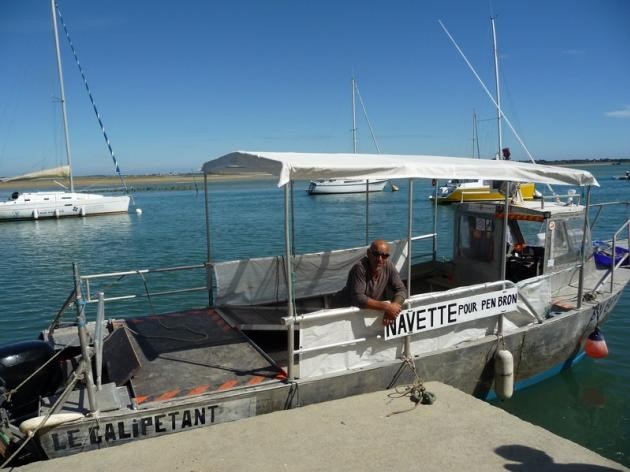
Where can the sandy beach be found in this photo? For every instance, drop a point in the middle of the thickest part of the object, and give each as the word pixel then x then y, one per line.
pixel 156 180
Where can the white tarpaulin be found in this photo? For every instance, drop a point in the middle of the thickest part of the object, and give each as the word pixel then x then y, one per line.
pixel 304 166
pixel 263 280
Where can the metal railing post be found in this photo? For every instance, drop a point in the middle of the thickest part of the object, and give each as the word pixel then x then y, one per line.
pixel 86 364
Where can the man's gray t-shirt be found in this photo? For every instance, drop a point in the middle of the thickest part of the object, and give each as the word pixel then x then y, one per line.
pixel 361 285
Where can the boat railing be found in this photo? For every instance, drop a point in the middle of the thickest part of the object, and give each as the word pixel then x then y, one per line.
pixel 367 335
pixel 622 259
pixel 91 290
pixel 433 237
pixel 601 206
pixel 91 297
pixel 573 198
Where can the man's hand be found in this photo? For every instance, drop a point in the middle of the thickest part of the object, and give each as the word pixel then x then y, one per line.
pixel 391 312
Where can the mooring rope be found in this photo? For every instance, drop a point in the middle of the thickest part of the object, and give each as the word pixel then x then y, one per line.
pixel 416 391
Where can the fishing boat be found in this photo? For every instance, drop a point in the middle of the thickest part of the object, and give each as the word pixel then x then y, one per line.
pixel 335 186
pixel 59 204
pixel 520 285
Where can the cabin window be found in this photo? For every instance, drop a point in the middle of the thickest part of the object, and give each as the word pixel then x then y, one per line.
pixel 566 240
pixel 476 238
pixel 533 233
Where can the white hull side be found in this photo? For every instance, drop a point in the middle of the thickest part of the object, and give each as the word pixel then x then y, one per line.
pixel 344 186
pixel 38 205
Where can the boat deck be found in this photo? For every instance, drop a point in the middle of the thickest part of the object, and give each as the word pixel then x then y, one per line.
pixel 193 352
pixel 171 356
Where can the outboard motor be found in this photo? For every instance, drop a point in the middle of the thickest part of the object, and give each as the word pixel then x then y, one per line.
pixel 17 362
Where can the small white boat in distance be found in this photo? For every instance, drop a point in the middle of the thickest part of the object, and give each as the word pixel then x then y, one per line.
pixel 345 186
pixel 36 205
pixel 331 186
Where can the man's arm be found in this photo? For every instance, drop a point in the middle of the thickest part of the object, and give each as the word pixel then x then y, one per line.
pixel 397 285
pixel 357 284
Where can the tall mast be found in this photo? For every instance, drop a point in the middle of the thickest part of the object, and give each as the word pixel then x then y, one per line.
pixel 475 139
pixel 354 119
pixel 62 92
pixel 496 79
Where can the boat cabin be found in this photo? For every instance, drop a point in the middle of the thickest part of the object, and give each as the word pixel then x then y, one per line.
pixel 540 240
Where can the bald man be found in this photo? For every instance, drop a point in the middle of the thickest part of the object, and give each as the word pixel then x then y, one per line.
pixel 374 283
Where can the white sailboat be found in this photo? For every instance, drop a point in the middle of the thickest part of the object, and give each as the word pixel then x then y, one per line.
pixel 330 186
pixel 483 190
pixel 58 204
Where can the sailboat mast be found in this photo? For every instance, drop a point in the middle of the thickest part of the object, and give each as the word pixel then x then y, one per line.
pixel 62 92
pixel 354 118
pixel 475 139
pixel 496 79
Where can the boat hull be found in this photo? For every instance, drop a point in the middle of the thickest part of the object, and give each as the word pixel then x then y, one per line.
pixel 538 349
pixel 40 205
pixel 322 187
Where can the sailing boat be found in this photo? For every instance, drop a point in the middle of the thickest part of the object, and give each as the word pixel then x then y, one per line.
pixel 330 186
pixel 483 190
pixel 51 204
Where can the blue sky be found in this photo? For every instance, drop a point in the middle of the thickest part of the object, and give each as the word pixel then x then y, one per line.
pixel 179 83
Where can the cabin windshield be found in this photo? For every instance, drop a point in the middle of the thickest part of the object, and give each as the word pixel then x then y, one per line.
pixel 565 240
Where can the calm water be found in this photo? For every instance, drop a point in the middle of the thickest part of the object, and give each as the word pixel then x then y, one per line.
pixel 589 404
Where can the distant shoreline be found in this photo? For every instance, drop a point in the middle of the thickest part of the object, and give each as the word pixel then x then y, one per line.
pixel 160 180
pixel 132 181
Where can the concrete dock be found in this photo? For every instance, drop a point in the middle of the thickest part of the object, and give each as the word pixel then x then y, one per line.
pixel 376 431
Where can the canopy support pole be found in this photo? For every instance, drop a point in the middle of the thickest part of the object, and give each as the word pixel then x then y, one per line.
pixel 367 212
pixel 409 236
pixel 583 250
pixel 289 274
pixel 503 249
pixel 208 245
pixel 407 346
pixel 435 190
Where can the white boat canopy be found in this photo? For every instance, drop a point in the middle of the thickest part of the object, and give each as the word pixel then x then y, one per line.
pixel 289 166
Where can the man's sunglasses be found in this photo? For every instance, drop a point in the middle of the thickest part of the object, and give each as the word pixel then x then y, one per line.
pixel 384 255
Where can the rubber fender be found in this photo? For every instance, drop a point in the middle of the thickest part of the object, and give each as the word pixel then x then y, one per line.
pixel 504 374
pixel 52 421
